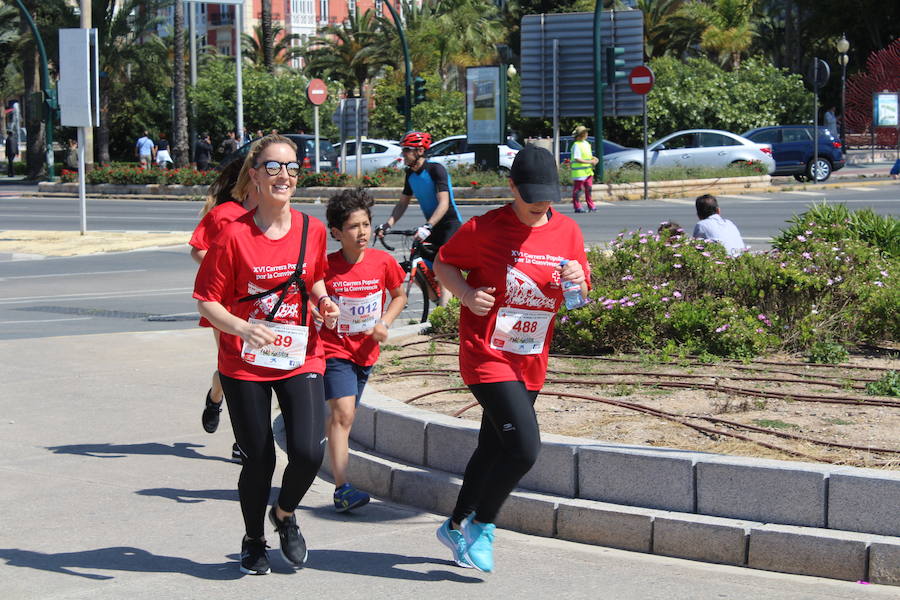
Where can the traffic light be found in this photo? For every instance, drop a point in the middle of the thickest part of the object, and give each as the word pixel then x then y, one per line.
pixel 613 62
pixel 401 105
pixel 419 93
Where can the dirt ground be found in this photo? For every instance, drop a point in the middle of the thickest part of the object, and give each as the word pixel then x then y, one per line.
pixel 72 243
pixel 769 400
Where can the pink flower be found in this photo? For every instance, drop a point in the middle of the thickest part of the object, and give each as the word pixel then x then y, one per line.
pixel 677 294
pixel 664 299
pixel 667 315
pixel 707 254
pixel 629 303
pixel 801 238
pixel 722 328
pixel 677 266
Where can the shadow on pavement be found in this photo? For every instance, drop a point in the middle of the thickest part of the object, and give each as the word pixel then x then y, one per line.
pixel 190 496
pixel 119 558
pixel 379 564
pixel 179 449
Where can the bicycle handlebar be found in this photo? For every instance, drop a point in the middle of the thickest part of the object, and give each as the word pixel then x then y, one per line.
pixel 403 232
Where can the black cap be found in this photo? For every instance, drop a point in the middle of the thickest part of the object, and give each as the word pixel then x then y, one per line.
pixel 535 175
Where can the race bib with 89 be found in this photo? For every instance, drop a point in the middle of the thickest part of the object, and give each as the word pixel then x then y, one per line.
pixel 520 331
pixel 287 352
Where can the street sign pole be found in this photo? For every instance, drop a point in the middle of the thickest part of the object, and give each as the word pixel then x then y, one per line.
pixel 641 81
pixel 316 93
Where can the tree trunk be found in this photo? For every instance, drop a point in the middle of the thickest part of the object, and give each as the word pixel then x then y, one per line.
pixel 36 148
pixel 102 139
pixel 179 136
pixel 267 40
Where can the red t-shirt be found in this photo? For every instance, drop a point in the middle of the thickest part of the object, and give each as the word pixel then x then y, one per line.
pixel 209 228
pixel 243 261
pixel 498 250
pixel 376 273
pixel 213 222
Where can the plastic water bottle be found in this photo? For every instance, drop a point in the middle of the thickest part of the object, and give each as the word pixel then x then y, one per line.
pixel 572 292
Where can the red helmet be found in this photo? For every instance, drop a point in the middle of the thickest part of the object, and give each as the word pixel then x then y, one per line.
pixel 416 139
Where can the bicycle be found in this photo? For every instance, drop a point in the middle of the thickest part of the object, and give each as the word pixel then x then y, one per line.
pixel 417 268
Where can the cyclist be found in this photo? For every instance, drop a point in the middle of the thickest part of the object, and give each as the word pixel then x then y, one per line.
pixel 430 183
pixel 359 279
pixel 517 258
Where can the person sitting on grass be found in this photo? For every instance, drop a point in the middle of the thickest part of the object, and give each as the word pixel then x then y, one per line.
pixel 712 226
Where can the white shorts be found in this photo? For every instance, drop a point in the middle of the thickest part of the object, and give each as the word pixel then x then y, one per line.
pixel 162 157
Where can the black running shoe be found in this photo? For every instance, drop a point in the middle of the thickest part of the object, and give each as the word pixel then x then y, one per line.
pixel 254 560
pixel 293 546
pixel 211 412
pixel 236 455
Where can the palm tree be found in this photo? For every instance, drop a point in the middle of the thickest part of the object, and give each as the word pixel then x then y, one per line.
pixel 180 135
pixel 666 30
pixel 119 26
pixel 728 30
pixel 283 52
pixel 469 31
pixel 268 36
pixel 351 53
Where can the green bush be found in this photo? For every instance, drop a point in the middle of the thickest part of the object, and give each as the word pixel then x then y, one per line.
pixel 887 385
pixel 828 353
pixel 665 293
pixel 445 319
pixel 835 223
pixel 323 179
pixel 131 173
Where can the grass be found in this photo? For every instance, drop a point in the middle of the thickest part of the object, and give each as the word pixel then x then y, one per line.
pixel 775 424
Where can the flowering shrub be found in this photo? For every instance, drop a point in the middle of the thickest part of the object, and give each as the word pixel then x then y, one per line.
pixel 323 179
pixel 133 174
pixel 670 293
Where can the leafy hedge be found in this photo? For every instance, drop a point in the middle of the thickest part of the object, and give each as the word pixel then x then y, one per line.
pixel 673 294
pixel 134 174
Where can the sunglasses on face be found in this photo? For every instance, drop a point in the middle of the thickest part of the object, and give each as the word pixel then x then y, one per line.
pixel 273 167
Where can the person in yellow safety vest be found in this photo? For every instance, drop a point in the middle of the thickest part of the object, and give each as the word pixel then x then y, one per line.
pixel 583 161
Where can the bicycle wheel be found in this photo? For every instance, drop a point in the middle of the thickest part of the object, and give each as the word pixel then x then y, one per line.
pixel 422 282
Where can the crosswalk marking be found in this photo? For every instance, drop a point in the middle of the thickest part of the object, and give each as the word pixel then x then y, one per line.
pixel 743 196
pixel 861 189
pixel 799 193
pixel 676 201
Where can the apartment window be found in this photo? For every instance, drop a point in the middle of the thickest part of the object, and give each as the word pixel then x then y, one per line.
pixel 379 8
pixel 323 10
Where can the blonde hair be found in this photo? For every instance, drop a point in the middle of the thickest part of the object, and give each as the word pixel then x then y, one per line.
pixel 239 191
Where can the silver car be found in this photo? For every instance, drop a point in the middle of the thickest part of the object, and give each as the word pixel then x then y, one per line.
pixel 454 150
pixel 376 154
pixel 695 148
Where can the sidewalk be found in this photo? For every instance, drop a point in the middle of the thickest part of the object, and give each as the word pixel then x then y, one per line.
pixel 112 490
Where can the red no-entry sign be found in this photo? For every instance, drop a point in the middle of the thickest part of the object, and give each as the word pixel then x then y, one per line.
pixel 641 79
pixel 316 91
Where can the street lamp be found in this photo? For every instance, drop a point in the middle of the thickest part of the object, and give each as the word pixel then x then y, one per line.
pixel 842 47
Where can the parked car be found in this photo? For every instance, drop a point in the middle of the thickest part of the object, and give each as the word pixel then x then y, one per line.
pixel 565 147
pixel 792 147
pixel 305 143
pixel 695 148
pixel 454 150
pixel 376 154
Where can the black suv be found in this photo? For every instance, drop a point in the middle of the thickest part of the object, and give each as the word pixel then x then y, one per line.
pixel 792 148
pixel 328 158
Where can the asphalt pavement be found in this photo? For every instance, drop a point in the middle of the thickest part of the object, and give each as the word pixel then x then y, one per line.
pixel 111 489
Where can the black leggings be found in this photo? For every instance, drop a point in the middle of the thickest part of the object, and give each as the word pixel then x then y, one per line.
pixel 302 401
pixel 508 446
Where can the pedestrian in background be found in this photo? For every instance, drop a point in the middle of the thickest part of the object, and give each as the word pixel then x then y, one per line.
pixel 143 149
pixel 228 145
pixel 71 160
pixel 583 162
pixel 203 152
pixel 712 226
pixel 163 158
pixel 517 259
pixel 830 121
pixel 12 150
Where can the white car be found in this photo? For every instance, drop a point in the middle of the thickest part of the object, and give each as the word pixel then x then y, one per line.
pixel 454 150
pixel 376 154
pixel 695 148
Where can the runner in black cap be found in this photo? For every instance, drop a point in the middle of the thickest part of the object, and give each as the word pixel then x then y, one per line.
pixel 509 299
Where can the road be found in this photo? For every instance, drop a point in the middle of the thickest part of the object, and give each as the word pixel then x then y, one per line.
pixel 151 290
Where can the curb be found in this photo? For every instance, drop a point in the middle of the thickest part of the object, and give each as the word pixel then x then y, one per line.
pixel 800 518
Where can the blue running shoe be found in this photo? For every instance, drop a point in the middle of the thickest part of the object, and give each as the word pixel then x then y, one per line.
pixel 348 497
pixel 453 539
pixel 479 544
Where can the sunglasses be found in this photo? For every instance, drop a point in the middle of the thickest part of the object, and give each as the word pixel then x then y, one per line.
pixel 273 167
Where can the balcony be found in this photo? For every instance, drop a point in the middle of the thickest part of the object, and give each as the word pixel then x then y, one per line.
pixel 221 20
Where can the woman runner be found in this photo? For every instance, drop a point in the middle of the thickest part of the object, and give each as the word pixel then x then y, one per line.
pixel 256 285
pixel 509 298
